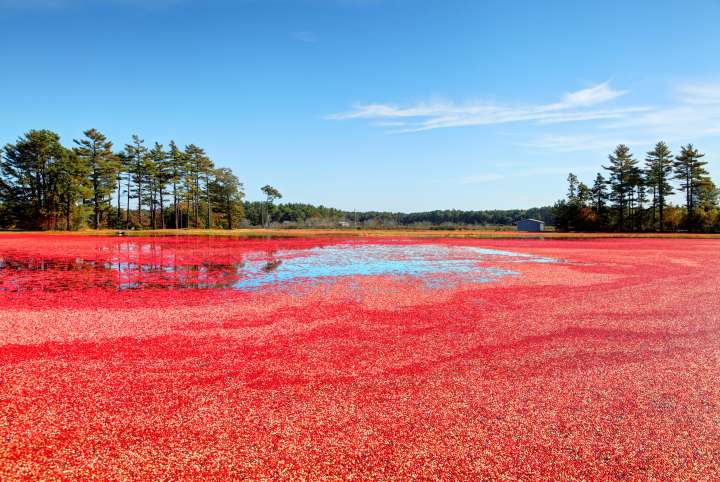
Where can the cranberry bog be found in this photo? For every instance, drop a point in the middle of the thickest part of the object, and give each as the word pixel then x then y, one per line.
pixel 195 357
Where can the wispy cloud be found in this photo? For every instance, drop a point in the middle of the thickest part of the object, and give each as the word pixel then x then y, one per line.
pixel 692 113
pixel 575 106
pixel 591 96
pixel 488 177
pixel 583 142
pixel 700 94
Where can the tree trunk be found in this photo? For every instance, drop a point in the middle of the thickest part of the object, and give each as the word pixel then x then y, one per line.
pixel 127 207
pixel 207 197
pixel 119 196
pixel 187 224
pixel 162 210
pixel 175 205
pixel 153 205
pixel 67 213
pixel 228 212
pixel 139 208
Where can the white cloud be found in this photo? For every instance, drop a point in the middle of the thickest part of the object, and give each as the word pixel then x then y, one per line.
pixel 528 172
pixel 693 113
pixel 422 116
pixel 583 142
pixel 597 94
pixel 700 94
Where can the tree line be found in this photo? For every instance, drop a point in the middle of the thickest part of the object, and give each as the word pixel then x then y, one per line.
pixel 94 184
pixel 635 197
pixel 455 217
pixel 45 185
pixel 309 215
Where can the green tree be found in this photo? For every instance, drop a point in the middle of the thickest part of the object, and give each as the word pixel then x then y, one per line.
pixel 123 164
pixel 573 182
pixel 177 170
pixel 623 177
pixel 599 194
pixel 29 177
pixel 158 178
pixel 584 194
pixel 137 172
pixel 659 169
pixel 199 166
pixel 271 194
pixel 227 193
pixel 96 151
pixel 209 171
pixel 690 171
pixel 707 205
pixel 73 185
pixel 43 185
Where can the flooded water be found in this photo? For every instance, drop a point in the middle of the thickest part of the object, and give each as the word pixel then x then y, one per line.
pixel 430 263
pixel 230 264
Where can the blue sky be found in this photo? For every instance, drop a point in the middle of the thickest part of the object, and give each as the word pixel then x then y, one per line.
pixel 373 104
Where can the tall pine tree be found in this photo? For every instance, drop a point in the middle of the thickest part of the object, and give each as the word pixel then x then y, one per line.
pixel 137 170
pixel 659 169
pixel 96 151
pixel 690 171
pixel 623 172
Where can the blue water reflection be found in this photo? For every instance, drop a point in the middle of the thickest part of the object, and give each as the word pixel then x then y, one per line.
pixel 429 263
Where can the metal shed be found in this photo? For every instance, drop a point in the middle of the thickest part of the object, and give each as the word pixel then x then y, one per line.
pixel 531 225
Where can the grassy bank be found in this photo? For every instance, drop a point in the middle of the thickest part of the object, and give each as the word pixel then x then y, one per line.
pixel 414 233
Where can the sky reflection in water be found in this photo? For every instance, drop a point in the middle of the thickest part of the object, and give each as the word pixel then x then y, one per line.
pixel 427 262
pixel 434 264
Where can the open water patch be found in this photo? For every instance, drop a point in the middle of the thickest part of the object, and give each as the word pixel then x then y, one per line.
pixel 141 267
pixel 429 263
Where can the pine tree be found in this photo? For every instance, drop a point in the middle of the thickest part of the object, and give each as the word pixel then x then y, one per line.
pixel 659 168
pixel 271 194
pixel 209 169
pixel 227 193
pixel 72 185
pixel 690 170
pixel 123 162
pixel 43 185
pixel 96 151
pixel 177 172
pixel 29 179
pixel 583 194
pixel 137 155
pixel 599 194
pixel 572 181
pixel 198 166
pixel 158 179
pixel 623 170
pixel 638 197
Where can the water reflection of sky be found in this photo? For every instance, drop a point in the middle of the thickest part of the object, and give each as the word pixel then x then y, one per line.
pixel 427 262
pixel 433 264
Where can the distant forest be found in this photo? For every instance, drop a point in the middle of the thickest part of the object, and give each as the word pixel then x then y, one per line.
pixel 636 197
pixel 94 184
pixel 309 215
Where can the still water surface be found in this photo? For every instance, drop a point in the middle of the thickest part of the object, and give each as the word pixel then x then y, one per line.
pixel 151 264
